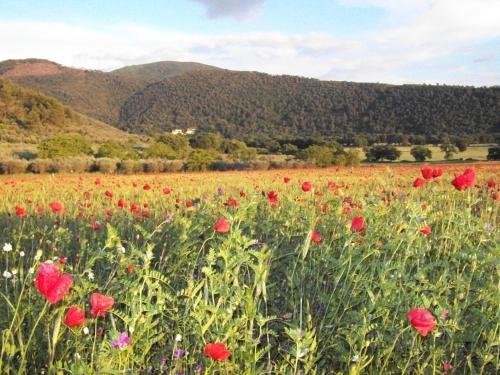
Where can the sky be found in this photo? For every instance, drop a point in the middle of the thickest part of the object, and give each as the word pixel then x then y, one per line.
pixel 455 42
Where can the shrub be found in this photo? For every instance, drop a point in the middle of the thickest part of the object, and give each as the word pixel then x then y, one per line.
pixel 130 166
pixel 74 165
pixel 13 166
pixel 200 160
pixel 106 165
pixel 42 166
pixel 64 146
pixel 116 150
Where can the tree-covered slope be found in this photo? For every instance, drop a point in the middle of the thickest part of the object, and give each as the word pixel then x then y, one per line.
pixel 29 117
pixel 240 104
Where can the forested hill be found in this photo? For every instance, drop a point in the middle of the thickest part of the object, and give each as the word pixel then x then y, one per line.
pixel 241 104
pixel 159 71
pixel 28 116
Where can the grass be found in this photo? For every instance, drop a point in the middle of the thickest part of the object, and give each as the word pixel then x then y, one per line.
pixel 280 302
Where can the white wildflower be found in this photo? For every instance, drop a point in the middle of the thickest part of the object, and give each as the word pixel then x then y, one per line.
pixel 86 331
pixel 355 358
pixel 38 254
pixel 7 274
pixel 178 338
pixel 7 247
pixel 22 253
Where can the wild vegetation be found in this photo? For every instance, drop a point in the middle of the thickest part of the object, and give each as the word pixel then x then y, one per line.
pixel 349 270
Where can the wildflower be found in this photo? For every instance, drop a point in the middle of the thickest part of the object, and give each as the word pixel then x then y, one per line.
pixel 75 317
pixel 86 331
pixel 437 172
pixel 220 190
pixel 222 225
pixel 198 368
pixel 121 341
pixel 100 304
pixel 51 284
pixel 179 353
pixel 316 237
pixel 169 217
pixel 465 180
pixel 163 361
pixel 419 182
pixel 445 314
pixel 286 180
pixel 426 173
pixel 231 202
pixel 56 207
pixel 7 247
pixel 217 351
pixel 272 197
pixel 178 338
pixel 167 191
pixel 22 253
pixel 422 320
pixel 447 366
pixel 20 212
pixel 358 224
pixel 306 186
pixel 122 203
pixel 6 274
pixel 426 230
pixel 147 187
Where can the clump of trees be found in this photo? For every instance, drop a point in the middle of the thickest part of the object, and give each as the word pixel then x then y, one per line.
pixel 421 153
pixel 494 153
pixel 382 152
pixel 64 146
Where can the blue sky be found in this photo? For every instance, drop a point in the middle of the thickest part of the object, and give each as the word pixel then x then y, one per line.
pixel 394 41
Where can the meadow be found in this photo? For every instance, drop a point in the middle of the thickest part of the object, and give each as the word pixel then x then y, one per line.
pixel 367 270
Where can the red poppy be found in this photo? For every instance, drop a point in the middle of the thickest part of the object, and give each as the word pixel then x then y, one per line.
pixel 426 173
pixel 242 194
pixel 217 351
pixel 465 180
pixel 426 230
pixel 121 203
pixel 272 197
pixel 56 207
pixel 231 202
pixel 96 227
pixel 436 172
pixel 306 186
pixel 147 187
pixel 418 182
pixel 75 317
pixel 286 180
pixel 51 284
pixel 316 237
pixel 40 209
pixel 188 204
pixel 332 186
pixel 491 183
pixel 108 194
pixel 447 366
pixel 495 196
pixel 100 304
pixel 167 191
pixel 422 320
pixel 358 224
pixel 222 225
pixel 134 207
pixel 20 212
pixel 130 268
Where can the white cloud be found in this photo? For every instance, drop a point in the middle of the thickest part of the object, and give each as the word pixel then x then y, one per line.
pixel 421 45
pixel 238 9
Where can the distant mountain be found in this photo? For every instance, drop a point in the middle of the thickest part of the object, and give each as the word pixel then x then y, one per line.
pixel 159 71
pixel 249 104
pixel 29 117
pixel 168 95
pixel 97 94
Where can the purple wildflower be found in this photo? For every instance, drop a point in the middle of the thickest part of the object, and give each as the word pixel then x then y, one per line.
pixel 178 353
pixel 198 368
pixel 121 341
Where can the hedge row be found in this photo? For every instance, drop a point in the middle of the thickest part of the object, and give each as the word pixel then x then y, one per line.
pixel 106 165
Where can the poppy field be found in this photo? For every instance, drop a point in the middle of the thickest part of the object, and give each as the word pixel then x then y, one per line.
pixel 367 270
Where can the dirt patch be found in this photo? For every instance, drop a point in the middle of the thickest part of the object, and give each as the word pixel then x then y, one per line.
pixel 33 69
